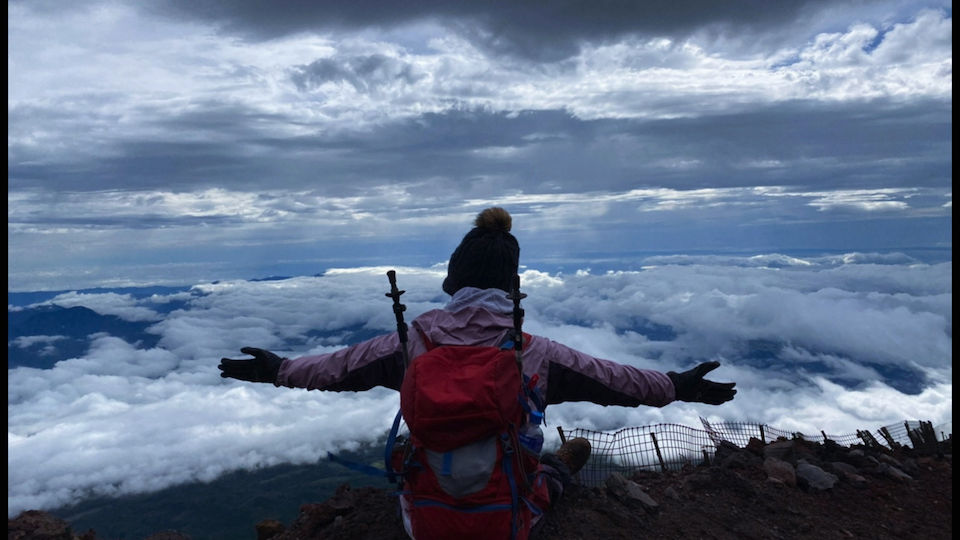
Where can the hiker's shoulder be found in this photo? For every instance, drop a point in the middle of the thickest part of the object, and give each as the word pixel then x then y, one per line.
pixel 473 314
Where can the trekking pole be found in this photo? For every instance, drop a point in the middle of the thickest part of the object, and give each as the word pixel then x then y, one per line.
pixel 516 296
pixel 398 310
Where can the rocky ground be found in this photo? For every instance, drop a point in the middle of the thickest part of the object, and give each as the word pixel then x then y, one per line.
pixel 788 490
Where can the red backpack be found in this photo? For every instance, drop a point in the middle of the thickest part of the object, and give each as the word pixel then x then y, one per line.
pixel 465 475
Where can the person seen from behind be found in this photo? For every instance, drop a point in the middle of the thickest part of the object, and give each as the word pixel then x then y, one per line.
pixel 480 273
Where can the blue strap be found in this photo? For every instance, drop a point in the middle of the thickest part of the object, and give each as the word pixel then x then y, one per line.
pixel 447 464
pixel 534 509
pixel 388 449
pixel 508 342
pixel 538 402
pixel 359 467
pixel 533 395
pixel 514 496
pixel 528 396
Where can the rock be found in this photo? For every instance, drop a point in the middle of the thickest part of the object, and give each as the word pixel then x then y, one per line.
pixel 784 451
pixel 815 477
pixel 268 528
pixel 40 525
pixel 343 499
pixel 780 470
pixel 696 482
pixel 755 446
pixel 848 472
pixel 724 450
pixel 169 535
pixel 630 493
pixel 890 460
pixel 895 473
pixel 37 525
pixel 911 466
pixel 741 460
pixel 844 467
pixel 775 482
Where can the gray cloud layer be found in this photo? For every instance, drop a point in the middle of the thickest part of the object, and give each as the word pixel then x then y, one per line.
pixel 797 144
pixel 532 29
pixel 187 141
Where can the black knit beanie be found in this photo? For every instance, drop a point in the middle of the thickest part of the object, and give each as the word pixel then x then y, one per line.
pixel 488 257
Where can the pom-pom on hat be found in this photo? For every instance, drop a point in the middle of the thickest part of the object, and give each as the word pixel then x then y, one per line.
pixel 488 257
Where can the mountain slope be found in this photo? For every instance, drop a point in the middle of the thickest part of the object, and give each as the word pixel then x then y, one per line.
pixel 873 493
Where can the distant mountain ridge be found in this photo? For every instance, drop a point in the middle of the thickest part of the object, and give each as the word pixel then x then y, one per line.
pixel 66 331
pixel 26 298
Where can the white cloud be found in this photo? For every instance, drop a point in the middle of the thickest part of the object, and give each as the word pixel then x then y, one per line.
pixel 928 39
pixel 25 342
pixel 125 420
pixel 868 62
pixel 121 305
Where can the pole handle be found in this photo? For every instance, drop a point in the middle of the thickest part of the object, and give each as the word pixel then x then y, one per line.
pixel 516 296
pixel 398 310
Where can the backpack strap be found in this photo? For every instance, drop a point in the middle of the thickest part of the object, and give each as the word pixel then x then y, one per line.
pixel 508 341
pixel 356 466
pixel 388 449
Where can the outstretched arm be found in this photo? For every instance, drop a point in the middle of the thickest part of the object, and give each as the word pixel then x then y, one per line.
pixel 362 366
pixel 263 367
pixel 691 386
pixel 572 375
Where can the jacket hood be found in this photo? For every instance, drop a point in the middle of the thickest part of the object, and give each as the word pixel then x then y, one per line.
pixel 473 317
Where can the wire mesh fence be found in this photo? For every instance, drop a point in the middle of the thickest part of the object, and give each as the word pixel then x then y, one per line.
pixel 663 447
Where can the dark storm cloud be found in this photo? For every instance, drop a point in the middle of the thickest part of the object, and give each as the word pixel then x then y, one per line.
pixel 846 146
pixel 535 29
pixel 804 144
pixel 361 72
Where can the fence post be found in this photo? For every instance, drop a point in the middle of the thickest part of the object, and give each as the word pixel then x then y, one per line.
pixel 869 439
pixel 915 438
pixel 763 437
pixel 886 435
pixel 929 436
pixel 663 466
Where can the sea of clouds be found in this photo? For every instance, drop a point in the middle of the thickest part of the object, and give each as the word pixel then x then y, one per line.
pixel 814 344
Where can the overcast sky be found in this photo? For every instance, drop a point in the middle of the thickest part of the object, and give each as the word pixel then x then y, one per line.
pixel 776 169
pixel 180 141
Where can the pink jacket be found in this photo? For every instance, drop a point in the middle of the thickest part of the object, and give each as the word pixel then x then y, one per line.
pixel 480 317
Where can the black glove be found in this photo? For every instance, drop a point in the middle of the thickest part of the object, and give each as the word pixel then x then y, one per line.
pixel 262 368
pixel 691 386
